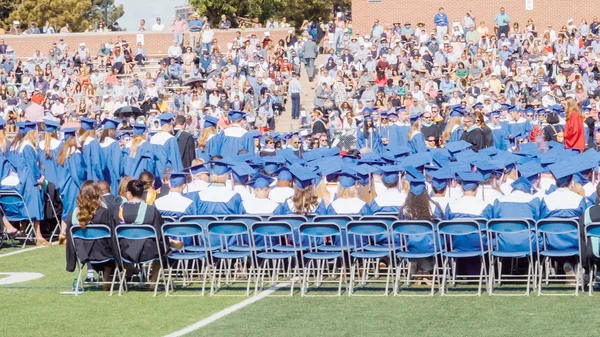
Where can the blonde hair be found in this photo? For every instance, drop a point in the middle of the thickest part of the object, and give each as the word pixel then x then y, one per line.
pixel 347 192
pixel 322 192
pixel 68 148
pixel 572 106
pixel 47 140
pixel 123 186
pixel 218 179
pixel 367 193
pixel 206 132
pixel 412 129
pixel 3 141
pixel 304 200
pixel 135 143
pixel 452 122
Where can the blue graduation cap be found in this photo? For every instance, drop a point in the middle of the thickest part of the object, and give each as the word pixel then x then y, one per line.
pixel 552 144
pixel 562 173
pixel 470 180
pixel 235 115
pixel 68 133
pixel 390 173
pixel 495 113
pixel 531 170
pixel 350 158
pixel 392 113
pixel 487 168
pixel 457 111
pixel 528 149
pixel 177 179
pixel 440 159
pixel 548 158
pixel 440 178
pixel 477 105
pixel 457 146
pixel 303 177
pixel 522 184
pixel 198 168
pixel 272 163
pixel 139 129
pixel 398 150
pixel 414 117
pixel 347 177
pixel 489 151
pixel 370 158
pixel 25 127
pixel 241 171
pixel 416 180
pixel 469 156
pixel 87 123
pixel 220 167
pixel 260 181
pixel 166 118
pixel 210 121
pixel 363 173
pixel 505 106
pixel 459 166
pixel 284 174
pixel 51 125
pixel 417 160
pixel 109 123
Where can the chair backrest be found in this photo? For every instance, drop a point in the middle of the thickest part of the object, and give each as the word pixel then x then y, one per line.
pixel 182 231
pixel 592 231
pixel 168 219
pixel 462 234
pixel 10 197
pixel 340 220
pixel 134 232
pixel 414 236
pixel 245 218
pixel 558 234
pixel 362 233
pixel 510 234
pixel 388 218
pixel 203 220
pixel 273 233
pixel 294 220
pixel 89 233
pixel 556 226
pixel 229 233
pixel 318 233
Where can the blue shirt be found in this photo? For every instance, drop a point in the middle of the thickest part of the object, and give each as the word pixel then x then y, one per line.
pixel 440 19
pixel 502 19
pixel 198 23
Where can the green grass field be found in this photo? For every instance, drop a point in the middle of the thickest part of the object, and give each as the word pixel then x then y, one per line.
pixel 36 308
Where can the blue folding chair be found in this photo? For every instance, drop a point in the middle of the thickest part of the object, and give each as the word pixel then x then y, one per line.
pixel 342 221
pixel 510 239
pixel 169 219
pixel 414 241
pixel 592 234
pixel 197 256
pixel 229 260
pixel 271 258
pixel 319 261
pixel 364 262
pixel 91 233
pixel 295 221
pixel 202 220
pixel 15 209
pixel 242 243
pixel 140 234
pixel 559 239
pixel 461 238
pixel 382 242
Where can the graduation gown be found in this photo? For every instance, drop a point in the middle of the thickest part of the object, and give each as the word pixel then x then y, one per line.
pixel 142 161
pixel 417 143
pixel 373 141
pixel 210 150
pixel 5 165
pixel 353 206
pixel 166 154
pixel 390 201
pixel 562 203
pixel 140 251
pixel 487 136
pixel 185 143
pixel 281 194
pixel 474 135
pixel 113 157
pixel 430 130
pixel 174 204
pixel 72 175
pixel 468 207
pixel 254 205
pixel 287 207
pixel 500 137
pixel 519 128
pixel 94 159
pixel 399 134
pixel 28 171
pixel 516 205
pixel 456 134
pixel 218 199
pixel 233 139
pixel 49 165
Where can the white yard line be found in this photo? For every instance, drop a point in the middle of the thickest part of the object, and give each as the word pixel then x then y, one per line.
pixel 25 250
pixel 216 316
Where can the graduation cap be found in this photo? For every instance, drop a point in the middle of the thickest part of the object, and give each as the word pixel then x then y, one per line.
pixel 440 159
pixel 552 144
pixel 347 177
pixel 51 125
pixel 505 106
pixel 477 105
pixel 562 173
pixel 260 181
pixel 390 173
pixel 458 111
pixel 522 184
pixel 139 129
pixel 469 156
pixel 177 179
pixel 528 149
pixel 210 121
pixel 417 160
pixel 363 173
pixel 392 113
pixel 272 163
pixel 241 171
pixel 459 166
pixel 68 133
pixel 198 168
pixel 284 174
pixel 109 123
pixel 25 127
pixel 531 170
pixel 457 146
pixel 370 158
pixel 440 178
pixel 416 180
pixel 495 113
pixel 398 150
pixel 350 158
pixel 235 115
pixel 303 177
pixel 87 123
pixel 414 117
pixel 489 151
pixel 487 168
pixel 220 167
pixel 470 180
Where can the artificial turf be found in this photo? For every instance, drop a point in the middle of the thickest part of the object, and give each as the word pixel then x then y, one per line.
pixel 36 308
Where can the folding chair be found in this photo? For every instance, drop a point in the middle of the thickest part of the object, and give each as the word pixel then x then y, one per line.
pixel 509 239
pixel 559 239
pixel 242 243
pixel 279 245
pixel 342 221
pixel 140 233
pixel 202 220
pixel 169 219
pixel 56 230
pixel 13 201
pixel 461 238
pixel 293 220
pixel 592 234
pixel 382 241
pixel 362 235
pixel 91 233
pixel 232 259
pixel 416 239
pixel 320 261
pixel 197 256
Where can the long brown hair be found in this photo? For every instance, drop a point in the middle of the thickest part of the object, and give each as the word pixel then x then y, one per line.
pixel 206 132
pixel 85 134
pixel 19 138
pixel 417 207
pixel 111 133
pixel 135 143
pixel 123 186
pixel 305 200
pixel 68 148
pixel 47 140
pixel 88 202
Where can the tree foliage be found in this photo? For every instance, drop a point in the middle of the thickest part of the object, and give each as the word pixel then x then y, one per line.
pixel 6 7
pixel 77 13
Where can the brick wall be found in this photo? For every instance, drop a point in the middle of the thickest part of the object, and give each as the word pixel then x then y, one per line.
pixel 555 12
pixel 155 43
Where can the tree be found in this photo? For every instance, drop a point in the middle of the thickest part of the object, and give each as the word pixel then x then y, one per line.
pixel 97 13
pixel 213 9
pixel 6 7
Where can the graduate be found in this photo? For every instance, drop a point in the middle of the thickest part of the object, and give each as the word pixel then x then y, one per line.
pixel 563 202
pixel 399 129
pixel 347 201
pixel 416 140
pixel 217 198
pixel 368 137
pixel 47 150
pixel 518 126
pixel 283 189
pixel 165 147
pixel 23 157
pixel 200 177
pixel 304 201
pixel 473 134
pixel 259 202
pixel 392 199
pixel 137 154
pixel 113 156
pixel 468 206
pixel 91 150
pixel 454 128
pixel 383 128
pixel 240 173
pixel 207 145
pixel 235 137
pixel 174 203
pixel 418 205
pixel 489 190
pixel 499 132
pixel 440 179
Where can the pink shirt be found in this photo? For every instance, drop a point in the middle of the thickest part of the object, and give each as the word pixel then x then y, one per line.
pixel 179 26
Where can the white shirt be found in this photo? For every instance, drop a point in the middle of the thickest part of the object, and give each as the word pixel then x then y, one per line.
pixel 280 194
pixel 158 27
pixel 254 205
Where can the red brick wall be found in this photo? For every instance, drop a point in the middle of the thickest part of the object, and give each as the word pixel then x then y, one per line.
pixel 155 43
pixel 555 12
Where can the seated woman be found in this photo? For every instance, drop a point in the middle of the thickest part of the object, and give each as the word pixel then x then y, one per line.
pixel 304 201
pixel 89 210
pixel 347 201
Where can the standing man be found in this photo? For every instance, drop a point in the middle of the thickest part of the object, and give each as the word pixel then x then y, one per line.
pixel 195 27
pixel 295 89
pixel 441 23
pixel 158 26
pixel 310 52
pixel 502 22
pixel 185 142
pixel 179 27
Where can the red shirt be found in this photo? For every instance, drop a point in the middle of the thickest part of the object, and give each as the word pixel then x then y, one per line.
pixel 574 132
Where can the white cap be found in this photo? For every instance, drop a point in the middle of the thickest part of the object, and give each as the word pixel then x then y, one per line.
pixel 267 33
pixel 82 44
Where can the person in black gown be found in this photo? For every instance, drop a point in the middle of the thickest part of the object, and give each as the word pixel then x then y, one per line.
pixel 473 134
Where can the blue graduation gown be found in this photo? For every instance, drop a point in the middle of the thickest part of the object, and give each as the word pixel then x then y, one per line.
pixel 210 150
pixel 353 206
pixel 166 155
pixel 468 207
pixel 93 159
pixel 114 166
pixel 5 165
pixel 372 142
pixel 562 203
pixel 72 175
pixel 218 199
pixel 456 134
pixel 142 161
pixel 233 139
pixel 519 128
pixel 417 143
pixel 516 205
pixel 28 171
pixel 399 135
pixel 175 205
pixel 287 207
pixel 500 136
pixel 49 165
pixel 389 201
